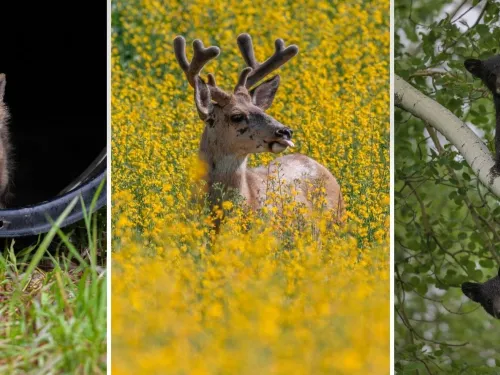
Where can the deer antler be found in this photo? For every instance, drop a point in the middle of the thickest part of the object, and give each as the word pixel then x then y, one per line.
pixel 259 71
pixel 242 80
pixel 201 56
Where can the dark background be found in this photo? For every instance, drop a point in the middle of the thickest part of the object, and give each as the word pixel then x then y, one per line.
pixel 54 55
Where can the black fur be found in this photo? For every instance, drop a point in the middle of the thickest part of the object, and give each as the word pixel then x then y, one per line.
pixel 489 72
pixel 487 294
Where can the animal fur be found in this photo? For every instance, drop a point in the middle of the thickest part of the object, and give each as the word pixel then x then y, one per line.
pixel 489 72
pixel 236 126
pixel 4 145
pixel 487 294
pixel 225 147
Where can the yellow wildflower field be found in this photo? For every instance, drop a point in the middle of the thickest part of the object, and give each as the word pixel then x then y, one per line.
pixel 276 291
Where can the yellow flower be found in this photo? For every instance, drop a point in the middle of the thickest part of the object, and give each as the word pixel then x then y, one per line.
pixel 281 290
pixel 227 205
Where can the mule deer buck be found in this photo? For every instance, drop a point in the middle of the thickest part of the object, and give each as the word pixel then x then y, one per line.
pixel 236 125
pixel 4 144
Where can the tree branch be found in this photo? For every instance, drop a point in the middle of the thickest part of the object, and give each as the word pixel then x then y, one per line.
pixel 469 145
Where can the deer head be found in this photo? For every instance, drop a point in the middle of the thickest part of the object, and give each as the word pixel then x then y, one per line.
pixel 236 123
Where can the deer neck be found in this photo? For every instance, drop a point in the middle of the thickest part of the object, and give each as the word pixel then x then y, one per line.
pixel 228 170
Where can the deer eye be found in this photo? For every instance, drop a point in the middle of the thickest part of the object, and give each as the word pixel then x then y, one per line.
pixel 238 118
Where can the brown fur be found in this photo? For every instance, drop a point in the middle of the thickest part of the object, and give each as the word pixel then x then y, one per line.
pixel 237 126
pixel 225 147
pixel 4 145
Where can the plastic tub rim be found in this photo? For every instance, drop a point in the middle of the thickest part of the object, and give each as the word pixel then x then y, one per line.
pixel 57 205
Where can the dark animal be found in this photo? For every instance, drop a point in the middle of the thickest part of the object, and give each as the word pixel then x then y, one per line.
pixel 489 72
pixel 487 294
pixel 4 144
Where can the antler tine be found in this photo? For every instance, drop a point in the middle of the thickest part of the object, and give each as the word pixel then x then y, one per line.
pixel 180 53
pixel 201 56
pixel 246 48
pixel 280 57
pixel 220 96
pixel 242 80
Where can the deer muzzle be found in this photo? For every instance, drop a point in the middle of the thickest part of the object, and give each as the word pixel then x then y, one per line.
pixel 282 141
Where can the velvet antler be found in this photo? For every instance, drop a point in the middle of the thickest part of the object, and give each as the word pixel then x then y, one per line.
pixel 260 70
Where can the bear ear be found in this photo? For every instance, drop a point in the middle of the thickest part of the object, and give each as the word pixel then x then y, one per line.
pixel 474 66
pixel 472 290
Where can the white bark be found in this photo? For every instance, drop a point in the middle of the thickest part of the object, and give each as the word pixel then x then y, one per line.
pixel 470 146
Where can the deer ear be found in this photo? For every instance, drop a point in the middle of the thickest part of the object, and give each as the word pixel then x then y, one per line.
pixel 3 82
pixel 263 95
pixel 474 66
pixel 202 98
pixel 472 290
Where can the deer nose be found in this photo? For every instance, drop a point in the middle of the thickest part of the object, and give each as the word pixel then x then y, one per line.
pixel 284 133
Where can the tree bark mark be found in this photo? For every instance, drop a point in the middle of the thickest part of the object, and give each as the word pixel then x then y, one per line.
pixel 468 144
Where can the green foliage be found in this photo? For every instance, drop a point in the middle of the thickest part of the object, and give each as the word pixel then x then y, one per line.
pixel 53 301
pixel 447 225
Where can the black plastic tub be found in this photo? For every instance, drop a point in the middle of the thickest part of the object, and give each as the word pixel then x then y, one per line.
pixel 36 219
pixel 54 55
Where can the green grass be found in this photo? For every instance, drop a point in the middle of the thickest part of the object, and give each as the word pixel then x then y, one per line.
pixel 53 301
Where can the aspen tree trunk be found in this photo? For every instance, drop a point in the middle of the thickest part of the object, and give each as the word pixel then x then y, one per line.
pixel 468 144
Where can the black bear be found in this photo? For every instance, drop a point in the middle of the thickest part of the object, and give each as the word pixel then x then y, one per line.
pixel 489 72
pixel 487 294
